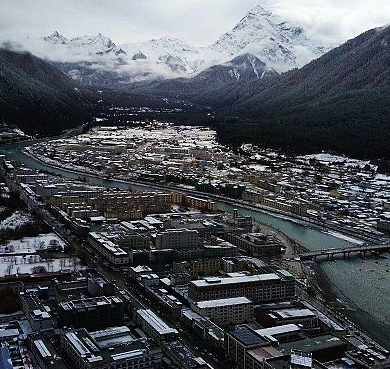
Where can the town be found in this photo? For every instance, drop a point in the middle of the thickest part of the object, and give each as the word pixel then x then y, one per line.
pixel 109 276
pixel 341 192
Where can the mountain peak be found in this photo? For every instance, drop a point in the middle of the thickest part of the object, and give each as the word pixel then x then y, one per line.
pixel 57 38
pixel 258 10
pixel 98 40
pixel 280 44
pixel 88 44
pixel 257 17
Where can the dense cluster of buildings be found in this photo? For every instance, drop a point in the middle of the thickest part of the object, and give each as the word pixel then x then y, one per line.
pixel 169 281
pixel 337 190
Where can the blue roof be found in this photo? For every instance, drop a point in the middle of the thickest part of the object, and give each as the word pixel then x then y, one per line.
pixel 5 359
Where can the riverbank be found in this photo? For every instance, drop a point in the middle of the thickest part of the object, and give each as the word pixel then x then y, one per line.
pixel 288 260
pixel 369 327
pixel 317 282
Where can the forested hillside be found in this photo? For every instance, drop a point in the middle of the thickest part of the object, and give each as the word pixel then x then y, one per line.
pixel 38 98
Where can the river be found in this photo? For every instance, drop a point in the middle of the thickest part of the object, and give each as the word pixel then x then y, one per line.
pixel 363 285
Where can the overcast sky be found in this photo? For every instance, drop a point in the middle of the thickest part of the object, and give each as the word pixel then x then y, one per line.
pixel 199 22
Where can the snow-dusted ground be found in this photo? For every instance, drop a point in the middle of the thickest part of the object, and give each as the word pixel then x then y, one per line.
pixel 17 219
pixel 29 245
pixel 345 237
pixel 19 264
pixel 329 158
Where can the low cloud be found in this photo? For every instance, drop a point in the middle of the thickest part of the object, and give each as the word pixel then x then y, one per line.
pixel 198 22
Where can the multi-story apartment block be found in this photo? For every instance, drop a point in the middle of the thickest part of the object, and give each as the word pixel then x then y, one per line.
pixel 154 326
pixel 256 243
pixel 91 313
pixel 37 314
pixel 235 310
pixel 258 288
pixel 112 348
pixel 44 352
pixel 177 239
pixel 202 204
pixel 128 206
pixel 108 249
pixel 201 266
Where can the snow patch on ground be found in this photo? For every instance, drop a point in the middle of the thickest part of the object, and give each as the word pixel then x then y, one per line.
pixel 29 245
pixel 16 220
pixel 345 237
pixel 329 158
pixel 10 265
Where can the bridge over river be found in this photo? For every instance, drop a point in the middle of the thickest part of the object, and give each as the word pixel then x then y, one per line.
pixel 346 252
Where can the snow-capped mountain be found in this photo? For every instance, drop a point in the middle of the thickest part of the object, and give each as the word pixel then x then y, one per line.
pixel 56 38
pixel 87 45
pixel 280 45
pixel 178 55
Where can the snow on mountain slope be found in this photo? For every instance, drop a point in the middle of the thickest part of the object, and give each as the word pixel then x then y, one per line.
pixel 280 45
pixel 56 38
pixel 180 56
pixel 87 45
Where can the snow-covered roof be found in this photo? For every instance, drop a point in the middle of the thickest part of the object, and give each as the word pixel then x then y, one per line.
pixel 234 280
pixel 223 302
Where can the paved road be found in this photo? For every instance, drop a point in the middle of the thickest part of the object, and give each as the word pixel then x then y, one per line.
pixel 183 337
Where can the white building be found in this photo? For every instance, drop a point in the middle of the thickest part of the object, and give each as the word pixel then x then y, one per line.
pixel 155 327
pixel 260 287
pixel 177 239
pixel 234 310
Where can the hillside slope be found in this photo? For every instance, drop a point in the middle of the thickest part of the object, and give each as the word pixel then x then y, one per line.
pixel 39 98
pixel 340 101
pixel 216 86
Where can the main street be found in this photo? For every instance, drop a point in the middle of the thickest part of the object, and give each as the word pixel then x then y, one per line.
pixel 186 339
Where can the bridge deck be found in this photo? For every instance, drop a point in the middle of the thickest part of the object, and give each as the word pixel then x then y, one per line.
pixel 345 251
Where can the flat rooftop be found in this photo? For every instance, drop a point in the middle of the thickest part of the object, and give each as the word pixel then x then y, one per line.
pixel 293 313
pixel 112 337
pixel 158 324
pixel 223 302
pixel 248 338
pixel 280 329
pixel 312 344
pixel 235 280
pixel 90 302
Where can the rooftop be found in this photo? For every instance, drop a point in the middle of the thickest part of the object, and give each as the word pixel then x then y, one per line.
pixel 293 313
pixel 312 344
pixel 92 348
pixel 234 280
pixel 223 302
pixel 90 302
pixel 301 358
pixel 280 329
pixel 248 337
pixel 158 324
